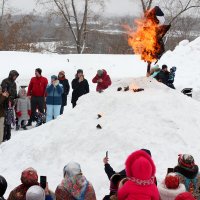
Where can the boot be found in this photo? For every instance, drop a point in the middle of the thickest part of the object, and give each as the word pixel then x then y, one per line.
pixel 17 127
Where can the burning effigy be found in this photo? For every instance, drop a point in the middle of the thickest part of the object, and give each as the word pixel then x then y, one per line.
pixel 147 39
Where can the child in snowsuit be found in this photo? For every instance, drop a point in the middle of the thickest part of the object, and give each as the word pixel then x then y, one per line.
pixel 23 109
pixel 171 78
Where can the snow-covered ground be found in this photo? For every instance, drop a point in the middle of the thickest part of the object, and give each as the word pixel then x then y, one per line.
pixel 158 118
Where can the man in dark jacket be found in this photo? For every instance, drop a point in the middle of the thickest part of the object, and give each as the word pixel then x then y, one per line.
pixel 102 79
pixel 163 75
pixel 36 92
pixel 80 87
pixel 3 187
pixel 10 86
pixel 3 97
pixel 66 88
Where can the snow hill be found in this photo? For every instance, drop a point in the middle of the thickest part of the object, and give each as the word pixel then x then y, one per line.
pixel 158 118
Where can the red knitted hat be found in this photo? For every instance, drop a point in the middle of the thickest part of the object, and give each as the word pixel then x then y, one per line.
pixel 186 160
pixel 172 181
pixel 29 177
pixel 185 196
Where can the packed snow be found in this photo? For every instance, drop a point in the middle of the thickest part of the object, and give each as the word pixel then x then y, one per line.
pixel 158 118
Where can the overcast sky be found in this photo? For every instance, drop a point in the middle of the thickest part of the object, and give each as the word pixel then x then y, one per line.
pixel 113 7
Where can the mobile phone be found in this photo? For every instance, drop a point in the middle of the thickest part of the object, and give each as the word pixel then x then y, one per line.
pixel 169 170
pixel 106 154
pixel 43 181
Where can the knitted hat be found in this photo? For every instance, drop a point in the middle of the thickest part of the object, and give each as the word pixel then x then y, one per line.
pixel 173 69
pixel 54 77
pixel 35 193
pixel 79 71
pixel 185 196
pixel 3 186
pixel 170 194
pixel 29 177
pixel 100 72
pixel 72 169
pixel 38 70
pixel 186 160
pixel 172 181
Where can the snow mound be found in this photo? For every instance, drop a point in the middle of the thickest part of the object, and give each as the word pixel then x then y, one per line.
pixel 186 58
pixel 158 118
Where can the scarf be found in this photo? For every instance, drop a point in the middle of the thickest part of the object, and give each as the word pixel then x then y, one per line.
pixel 76 186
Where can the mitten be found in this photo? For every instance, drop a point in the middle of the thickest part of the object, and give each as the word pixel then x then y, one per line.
pixel 19 114
pixel 29 112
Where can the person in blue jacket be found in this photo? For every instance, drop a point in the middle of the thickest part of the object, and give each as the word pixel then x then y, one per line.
pixel 54 98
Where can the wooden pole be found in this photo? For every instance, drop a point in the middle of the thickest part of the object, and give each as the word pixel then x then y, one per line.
pixel 148 69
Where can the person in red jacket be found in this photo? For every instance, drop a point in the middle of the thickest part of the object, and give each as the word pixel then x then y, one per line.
pixel 102 79
pixel 36 92
pixel 140 170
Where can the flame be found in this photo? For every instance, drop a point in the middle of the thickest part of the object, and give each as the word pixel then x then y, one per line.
pixel 144 41
pixel 133 86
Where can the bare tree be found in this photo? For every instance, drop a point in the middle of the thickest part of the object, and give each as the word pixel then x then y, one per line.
pixel 146 5
pixel 76 21
pixel 2 12
pixel 176 9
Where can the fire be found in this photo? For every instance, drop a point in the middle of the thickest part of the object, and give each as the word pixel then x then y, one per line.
pixel 144 40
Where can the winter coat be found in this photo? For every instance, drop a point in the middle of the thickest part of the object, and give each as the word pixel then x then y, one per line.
pixel 79 89
pixel 37 86
pixel 106 82
pixel 190 177
pixel 66 89
pixel 29 178
pixel 162 77
pixel 23 107
pixel 54 94
pixel 9 116
pixel 170 194
pixel 2 105
pixel 9 85
pixel 110 172
pixel 76 188
pixel 140 170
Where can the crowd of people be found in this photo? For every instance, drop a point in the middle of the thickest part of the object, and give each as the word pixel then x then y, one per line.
pixel 136 182
pixel 43 101
pixel 163 75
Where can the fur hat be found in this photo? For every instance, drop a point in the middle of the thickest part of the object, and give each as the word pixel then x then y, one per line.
pixel 185 196
pixel 35 193
pixel 29 177
pixel 39 70
pixel 172 181
pixel 3 186
pixel 170 194
pixel 72 169
pixel 186 161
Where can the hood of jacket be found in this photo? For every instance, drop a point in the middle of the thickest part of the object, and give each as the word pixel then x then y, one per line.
pixel 139 165
pixel 12 74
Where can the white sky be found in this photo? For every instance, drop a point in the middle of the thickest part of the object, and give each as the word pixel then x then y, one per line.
pixel 113 7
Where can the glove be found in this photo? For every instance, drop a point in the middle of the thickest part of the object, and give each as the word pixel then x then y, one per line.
pixel 29 113
pixel 19 114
